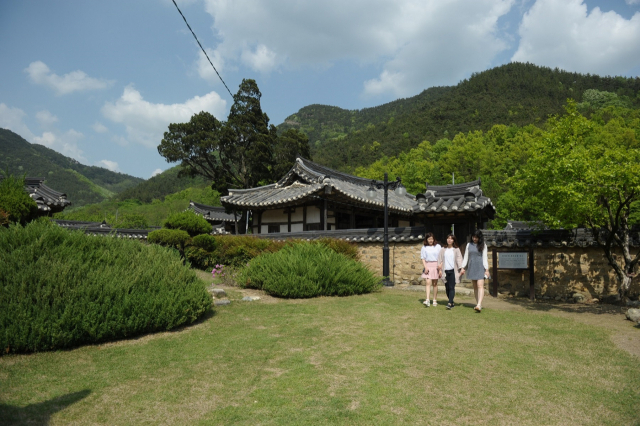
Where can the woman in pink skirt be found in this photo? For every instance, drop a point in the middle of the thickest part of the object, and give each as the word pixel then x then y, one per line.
pixel 429 255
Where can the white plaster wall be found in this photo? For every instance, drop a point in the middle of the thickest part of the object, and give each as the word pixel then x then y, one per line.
pixel 284 228
pixel 270 216
pixel 297 227
pixel 264 229
pixel 313 214
pixel 297 216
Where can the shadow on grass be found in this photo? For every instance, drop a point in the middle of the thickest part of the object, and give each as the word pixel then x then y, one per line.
pixel 576 308
pixel 40 413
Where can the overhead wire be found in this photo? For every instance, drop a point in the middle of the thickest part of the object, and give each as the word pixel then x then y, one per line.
pixel 203 51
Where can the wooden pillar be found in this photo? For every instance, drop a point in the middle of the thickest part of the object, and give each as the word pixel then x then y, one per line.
pixel 260 221
pixel 532 289
pixel 494 256
pixel 289 219
pixel 323 215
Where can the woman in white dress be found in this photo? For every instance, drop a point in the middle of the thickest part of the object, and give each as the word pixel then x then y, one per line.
pixel 429 255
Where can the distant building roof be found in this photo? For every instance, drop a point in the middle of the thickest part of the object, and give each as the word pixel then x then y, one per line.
pixel 47 199
pixel 212 213
pixel 462 197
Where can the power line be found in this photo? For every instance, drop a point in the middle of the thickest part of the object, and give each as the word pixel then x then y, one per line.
pixel 203 51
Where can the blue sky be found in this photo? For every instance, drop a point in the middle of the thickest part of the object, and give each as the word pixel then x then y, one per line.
pixel 100 81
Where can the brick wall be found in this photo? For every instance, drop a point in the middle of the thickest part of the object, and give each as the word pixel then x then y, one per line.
pixel 559 272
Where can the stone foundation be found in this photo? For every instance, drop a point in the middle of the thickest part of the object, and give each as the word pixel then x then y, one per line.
pixel 558 272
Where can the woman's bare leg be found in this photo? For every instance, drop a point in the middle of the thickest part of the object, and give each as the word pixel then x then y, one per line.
pixel 478 291
pixel 427 284
pixel 434 283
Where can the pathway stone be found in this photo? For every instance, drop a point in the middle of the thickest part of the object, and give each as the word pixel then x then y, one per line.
pixel 634 315
pixel 251 298
pixel 219 293
pixel 221 302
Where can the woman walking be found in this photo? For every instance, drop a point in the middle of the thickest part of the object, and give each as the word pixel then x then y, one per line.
pixel 429 255
pixel 450 261
pixel 475 259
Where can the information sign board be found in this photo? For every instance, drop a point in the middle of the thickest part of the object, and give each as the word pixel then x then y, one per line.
pixel 513 260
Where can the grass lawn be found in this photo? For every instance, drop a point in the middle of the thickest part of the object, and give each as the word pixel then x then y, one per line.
pixel 376 359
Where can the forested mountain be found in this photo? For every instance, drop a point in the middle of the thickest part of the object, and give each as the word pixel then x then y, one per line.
pixel 82 184
pixel 161 185
pixel 513 94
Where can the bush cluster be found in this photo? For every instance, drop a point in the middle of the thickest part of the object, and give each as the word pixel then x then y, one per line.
pixel 188 221
pixel 60 289
pixel 305 270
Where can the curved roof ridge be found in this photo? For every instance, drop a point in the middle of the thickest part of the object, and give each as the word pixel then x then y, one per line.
pixel 319 170
pixel 457 186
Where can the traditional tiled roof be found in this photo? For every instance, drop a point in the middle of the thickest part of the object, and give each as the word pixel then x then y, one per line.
pixel 47 199
pixel 518 225
pixel 212 213
pixel 307 179
pixel 371 235
pixel 462 197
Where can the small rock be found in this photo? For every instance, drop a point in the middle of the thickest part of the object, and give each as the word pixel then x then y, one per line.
pixel 578 298
pixel 219 293
pixel 634 315
pixel 250 298
pixel 558 298
pixel 222 302
pixel 633 303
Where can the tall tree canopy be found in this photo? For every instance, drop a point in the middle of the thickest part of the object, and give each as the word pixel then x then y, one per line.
pixel 586 172
pixel 243 152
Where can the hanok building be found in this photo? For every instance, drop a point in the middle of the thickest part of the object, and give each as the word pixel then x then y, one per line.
pixel 49 201
pixel 313 198
pixel 222 222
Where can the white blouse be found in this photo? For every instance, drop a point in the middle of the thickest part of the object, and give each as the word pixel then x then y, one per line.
pixel 430 253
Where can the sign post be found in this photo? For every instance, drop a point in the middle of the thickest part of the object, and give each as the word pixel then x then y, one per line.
pixel 518 260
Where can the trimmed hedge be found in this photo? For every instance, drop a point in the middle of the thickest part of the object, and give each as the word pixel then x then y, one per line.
pixel 60 289
pixel 188 221
pixel 174 238
pixel 305 270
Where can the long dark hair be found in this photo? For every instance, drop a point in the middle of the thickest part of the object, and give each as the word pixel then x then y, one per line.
pixel 455 240
pixel 426 238
pixel 480 244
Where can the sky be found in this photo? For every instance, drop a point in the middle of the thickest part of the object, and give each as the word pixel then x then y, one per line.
pixel 100 81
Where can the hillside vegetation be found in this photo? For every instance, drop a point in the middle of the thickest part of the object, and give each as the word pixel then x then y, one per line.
pixel 515 94
pixel 82 184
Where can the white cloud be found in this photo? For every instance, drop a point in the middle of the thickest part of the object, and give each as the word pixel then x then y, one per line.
pixel 417 44
pixel 99 127
pixel 45 118
pixel 146 122
pixel 11 119
pixel 65 143
pixel 632 2
pixel 74 81
pixel 204 68
pixel 564 35
pixel 107 164
pixel 156 172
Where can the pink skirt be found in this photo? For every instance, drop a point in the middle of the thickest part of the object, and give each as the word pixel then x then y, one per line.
pixel 431 272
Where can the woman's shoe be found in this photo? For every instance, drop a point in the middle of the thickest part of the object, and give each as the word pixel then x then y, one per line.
pixel 478 308
pixel 435 303
pixel 426 303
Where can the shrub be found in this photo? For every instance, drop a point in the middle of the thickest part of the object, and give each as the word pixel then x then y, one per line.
pixel 188 221
pixel 345 248
pixel 60 289
pixel 308 270
pixel 15 201
pixel 200 251
pixel 170 238
pixel 237 250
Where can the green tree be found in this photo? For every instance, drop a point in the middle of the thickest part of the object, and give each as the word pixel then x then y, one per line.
pixel 587 173
pixel 15 203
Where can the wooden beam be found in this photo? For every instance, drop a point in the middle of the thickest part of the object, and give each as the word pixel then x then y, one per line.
pixel 324 215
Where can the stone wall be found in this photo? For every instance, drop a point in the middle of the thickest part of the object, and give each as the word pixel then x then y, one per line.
pixel 558 273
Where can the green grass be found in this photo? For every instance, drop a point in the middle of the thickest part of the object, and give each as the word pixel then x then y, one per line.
pixel 377 359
